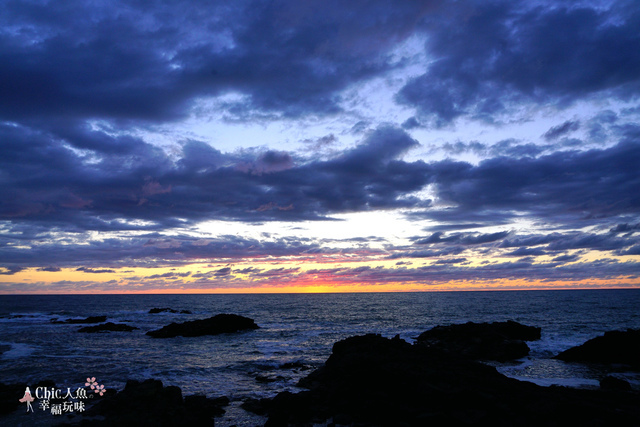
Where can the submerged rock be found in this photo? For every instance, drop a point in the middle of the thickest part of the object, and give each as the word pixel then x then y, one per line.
pixel 219 324
pixel 617 347
pixel 108 327
pixel 375 381
pixel 499 341
pixel 156 310
pixel 90 319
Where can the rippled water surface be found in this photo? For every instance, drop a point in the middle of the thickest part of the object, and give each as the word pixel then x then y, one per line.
pixel 293 328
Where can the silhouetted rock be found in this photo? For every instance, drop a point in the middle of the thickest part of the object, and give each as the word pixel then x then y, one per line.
pixel 219 324
pixel 108 327
pixel 168 310
pixel 214 407
pixel 374 381
pixel 615 384
pixel 499 341
pixel 619 347
pixel 11 393
pixel 149 403
pixel 256 406
pixel 90 319
pixel 296 366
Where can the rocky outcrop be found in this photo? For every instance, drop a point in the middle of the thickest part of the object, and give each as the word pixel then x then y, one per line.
pixel 90 319
pixel 614 384
pixel 219 324
pixel 499 341
pixel 108 327
pixel 614 347
pixel 149 403
pixel 375 381
pixel 11 393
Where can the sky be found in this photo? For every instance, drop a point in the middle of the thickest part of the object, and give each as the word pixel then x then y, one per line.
pixel 318 146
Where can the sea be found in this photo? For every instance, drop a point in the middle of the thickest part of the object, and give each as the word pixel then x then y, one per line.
pixel 296 335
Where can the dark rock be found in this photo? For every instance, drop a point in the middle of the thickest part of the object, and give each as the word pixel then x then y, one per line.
pixel 296 366
pixel 108 327
pixel 162 310
pixel 268 378
pixel 374 381
pixel 615 384
pixel 168 310
pixel 617 347
pixel 11 393
pixel 149 403
pixel 499 341
pixel 219 324
pixel 90 319
pixel 256 406
pixel 210 406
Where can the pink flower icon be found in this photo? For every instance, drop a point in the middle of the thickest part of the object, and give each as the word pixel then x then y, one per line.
pixel 97 388
pixel 100 389
pixel 91 382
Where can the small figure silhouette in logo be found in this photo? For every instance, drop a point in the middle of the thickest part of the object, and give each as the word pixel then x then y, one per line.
pixel 27 398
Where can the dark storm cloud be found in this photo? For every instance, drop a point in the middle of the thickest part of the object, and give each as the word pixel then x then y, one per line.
pixel 490 57
pixel 50 269
pixel 560 242
pixel 507 147
pixel 451 261
pixel 170 275
pixel 625 228
pixel 223 271
pixel 562 186
pixel 566 258
pixel 48 187
pixel 524 269
pixel 94 270
pixel 429 253
pixel 524 251
pixel 465 239
pixel 634 250
pixel 411 123
pixel 144 252
pixel 561 130
pixel 449 227
pixel 47 183
pixel 151 62
pixel 129 62
pixel 9 270
pixel 598 126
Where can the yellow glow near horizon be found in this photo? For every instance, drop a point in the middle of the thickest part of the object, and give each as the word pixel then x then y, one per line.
pixel 292 275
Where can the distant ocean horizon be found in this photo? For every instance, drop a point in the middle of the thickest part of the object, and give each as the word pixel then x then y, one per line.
pixel 296 335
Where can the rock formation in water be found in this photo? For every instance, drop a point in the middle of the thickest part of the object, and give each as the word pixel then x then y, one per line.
pixel 219 324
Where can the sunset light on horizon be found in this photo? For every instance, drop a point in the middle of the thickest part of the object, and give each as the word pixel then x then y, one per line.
pixel 317 147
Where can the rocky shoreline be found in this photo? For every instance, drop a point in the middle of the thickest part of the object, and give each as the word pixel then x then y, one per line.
pixel 370 380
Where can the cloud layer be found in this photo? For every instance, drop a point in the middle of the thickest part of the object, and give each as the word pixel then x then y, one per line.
pixel 100 170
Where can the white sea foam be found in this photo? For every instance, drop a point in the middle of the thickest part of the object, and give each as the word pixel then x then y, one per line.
pixel 18 350
pixel 27 318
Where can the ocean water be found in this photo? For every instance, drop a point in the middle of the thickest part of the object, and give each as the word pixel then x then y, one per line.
pixel 294 328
